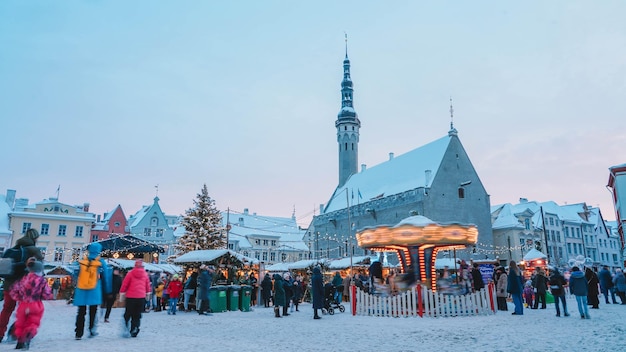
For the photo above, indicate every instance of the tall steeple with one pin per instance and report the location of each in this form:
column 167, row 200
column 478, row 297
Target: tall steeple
column 347, row 125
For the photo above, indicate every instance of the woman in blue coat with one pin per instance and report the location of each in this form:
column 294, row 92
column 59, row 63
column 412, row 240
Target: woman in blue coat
column 90, row 297
column 317, row 288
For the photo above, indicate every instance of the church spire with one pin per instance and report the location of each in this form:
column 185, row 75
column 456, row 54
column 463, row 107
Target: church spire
column 347, row 125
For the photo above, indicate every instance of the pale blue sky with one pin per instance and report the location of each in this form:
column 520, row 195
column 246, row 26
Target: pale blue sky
column 109, row 98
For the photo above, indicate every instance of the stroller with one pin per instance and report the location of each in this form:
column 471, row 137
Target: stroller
column 330, row 303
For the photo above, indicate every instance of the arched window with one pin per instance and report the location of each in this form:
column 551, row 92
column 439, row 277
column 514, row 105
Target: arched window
column 154, row 222
column 461, row 192
column 346, row 146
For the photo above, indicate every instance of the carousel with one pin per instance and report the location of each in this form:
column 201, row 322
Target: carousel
column 416, row 241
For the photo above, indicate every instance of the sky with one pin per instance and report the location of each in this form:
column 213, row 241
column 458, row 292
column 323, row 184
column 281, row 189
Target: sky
column 259, row 330
column 109, row 99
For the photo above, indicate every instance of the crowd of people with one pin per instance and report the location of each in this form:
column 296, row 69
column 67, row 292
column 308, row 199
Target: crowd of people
column 98, row 285
column 586, row 286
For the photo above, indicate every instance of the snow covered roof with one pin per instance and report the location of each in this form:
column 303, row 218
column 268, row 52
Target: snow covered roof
column 534, row 254
column 245, row 225
column 129, row 264
column 344, row 263
column 402, row 173
column 207, row 255
column 572, row 213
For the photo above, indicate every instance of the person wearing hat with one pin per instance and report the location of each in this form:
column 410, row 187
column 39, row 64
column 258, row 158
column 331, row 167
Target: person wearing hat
column 28, row 243
column 175, row 287
column 135, row 291
column 578, row 287
column 29, row 292
column 88, row 296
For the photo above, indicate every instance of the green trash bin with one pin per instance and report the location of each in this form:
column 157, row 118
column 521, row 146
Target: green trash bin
column 244, row 298
column 233, row 297
column 217, row 298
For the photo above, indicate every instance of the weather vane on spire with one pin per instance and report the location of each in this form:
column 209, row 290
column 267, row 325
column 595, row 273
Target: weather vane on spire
column 346, row 36
column 157, row 189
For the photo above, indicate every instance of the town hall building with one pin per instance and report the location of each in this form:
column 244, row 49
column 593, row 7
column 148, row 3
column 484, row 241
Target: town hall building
column 436, row 180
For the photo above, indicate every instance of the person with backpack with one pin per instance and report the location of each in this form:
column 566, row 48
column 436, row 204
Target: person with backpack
column 27, row 249
column 557, row 283
column 89, row 289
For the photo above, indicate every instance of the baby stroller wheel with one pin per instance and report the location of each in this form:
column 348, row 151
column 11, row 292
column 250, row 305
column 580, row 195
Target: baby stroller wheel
column 342, row 308
column 324, row 311
column 331, row 311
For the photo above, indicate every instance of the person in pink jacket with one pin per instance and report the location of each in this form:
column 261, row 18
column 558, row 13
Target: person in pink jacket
column 135, row 290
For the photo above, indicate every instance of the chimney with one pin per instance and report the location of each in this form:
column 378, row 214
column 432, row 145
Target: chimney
column 427, row 176
column 98, row 218
column 10, row 198
column 245, row 211
column 523, row 200
column 321, row 208
column 86, row 207
column 390, row 156
column 21, row 202
column 240, row 222
column 363, row 167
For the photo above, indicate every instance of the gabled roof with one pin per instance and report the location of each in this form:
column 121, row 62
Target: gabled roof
column 402, row 173
column 245, row 225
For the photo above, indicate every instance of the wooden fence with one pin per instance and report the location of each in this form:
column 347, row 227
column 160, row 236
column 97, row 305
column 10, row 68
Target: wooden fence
column 422, row 302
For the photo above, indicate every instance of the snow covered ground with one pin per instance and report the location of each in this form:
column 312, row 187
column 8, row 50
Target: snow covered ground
column 258, row 330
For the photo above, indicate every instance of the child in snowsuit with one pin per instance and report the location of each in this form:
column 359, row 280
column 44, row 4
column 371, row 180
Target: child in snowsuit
column 528, row 294
column 29, row 292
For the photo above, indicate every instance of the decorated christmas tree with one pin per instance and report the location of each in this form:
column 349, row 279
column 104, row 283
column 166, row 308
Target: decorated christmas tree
column 203, row 226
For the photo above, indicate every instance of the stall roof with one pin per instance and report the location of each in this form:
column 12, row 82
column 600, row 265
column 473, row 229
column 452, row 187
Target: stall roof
column 344, row 263
column 534, row 254
column 129, row 264
column 207, row 255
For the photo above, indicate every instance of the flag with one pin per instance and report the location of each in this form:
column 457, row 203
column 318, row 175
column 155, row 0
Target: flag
column 359, row 192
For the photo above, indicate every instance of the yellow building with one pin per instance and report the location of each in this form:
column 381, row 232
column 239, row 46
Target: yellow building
column 63, row 229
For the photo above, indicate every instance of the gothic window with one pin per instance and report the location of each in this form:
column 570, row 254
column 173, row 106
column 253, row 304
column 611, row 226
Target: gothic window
column 461, row 192
column 346, row 146
column 352, row 146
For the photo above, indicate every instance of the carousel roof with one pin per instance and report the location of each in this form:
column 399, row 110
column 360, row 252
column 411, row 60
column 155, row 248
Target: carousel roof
column 418, row 230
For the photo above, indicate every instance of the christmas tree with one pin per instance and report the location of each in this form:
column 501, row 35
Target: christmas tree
column 203, row 226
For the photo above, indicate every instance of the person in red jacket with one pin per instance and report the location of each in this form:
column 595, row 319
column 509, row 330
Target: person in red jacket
column 135, row 290
column 174, row 288
column 29, row 292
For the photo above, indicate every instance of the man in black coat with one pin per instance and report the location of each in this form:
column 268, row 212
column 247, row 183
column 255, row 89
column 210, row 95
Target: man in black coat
column 477, row 278
column 317, row 288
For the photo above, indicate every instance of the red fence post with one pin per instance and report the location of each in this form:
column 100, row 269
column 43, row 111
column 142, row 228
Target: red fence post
column 353, row 300
column 420, row 306
column 491, row 290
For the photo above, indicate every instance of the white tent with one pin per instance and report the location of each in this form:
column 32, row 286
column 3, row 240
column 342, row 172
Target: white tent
column 534, row 254
column 278, row 267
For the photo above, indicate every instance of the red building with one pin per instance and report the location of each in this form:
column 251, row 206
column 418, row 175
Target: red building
column 113, row 222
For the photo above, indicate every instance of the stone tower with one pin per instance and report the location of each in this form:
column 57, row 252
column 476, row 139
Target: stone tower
column 347, row 125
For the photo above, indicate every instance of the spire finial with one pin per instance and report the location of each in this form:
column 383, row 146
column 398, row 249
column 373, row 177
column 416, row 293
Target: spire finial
column 453, row 131
column 346, row 36
column 451, row 114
